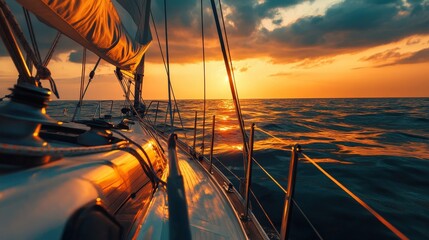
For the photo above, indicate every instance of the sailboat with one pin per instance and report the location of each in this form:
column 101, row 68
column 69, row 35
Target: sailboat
column 112, row 177
column 101, row 179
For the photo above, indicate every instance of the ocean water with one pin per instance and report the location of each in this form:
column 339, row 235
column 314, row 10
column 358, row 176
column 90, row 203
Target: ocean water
column 378, row 148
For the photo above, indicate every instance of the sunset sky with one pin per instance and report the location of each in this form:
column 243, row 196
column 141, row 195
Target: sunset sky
column 280, row 49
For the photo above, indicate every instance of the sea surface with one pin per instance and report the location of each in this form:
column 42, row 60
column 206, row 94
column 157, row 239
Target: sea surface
column 378, row 148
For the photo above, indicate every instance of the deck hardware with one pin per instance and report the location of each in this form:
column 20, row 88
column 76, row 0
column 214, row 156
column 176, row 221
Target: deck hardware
column 229, row 188
column 296, row 149
column 21, row 119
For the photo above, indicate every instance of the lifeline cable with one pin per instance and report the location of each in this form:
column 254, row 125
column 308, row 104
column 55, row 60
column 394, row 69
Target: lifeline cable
column 358, row 200
column 344, row 188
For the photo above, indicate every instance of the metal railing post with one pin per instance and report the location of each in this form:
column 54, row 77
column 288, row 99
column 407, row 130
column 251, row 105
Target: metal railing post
column 289, row 192
column 245, row 216
column 212, row 144
column 156, row 113
column 193, row 152
column 165, row 119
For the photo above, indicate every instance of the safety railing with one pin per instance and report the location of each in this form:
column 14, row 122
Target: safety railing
column 289, row 202
column 152, row 114
column 99, row 110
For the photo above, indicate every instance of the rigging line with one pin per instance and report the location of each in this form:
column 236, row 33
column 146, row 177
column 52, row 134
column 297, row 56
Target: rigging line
column 269, row 175
column 326, row 174
column 307, row 219
column 159, row 42
column 41, row 67
column 358, row 200
column 227, row 169
column 82, row 76
column 229, row 52
column 232, row 87
column 13, row 23
column 32, row 36
column 277, row 138
column 168, row 65
column 141, row 120
column 230, row 57
column 82, row 84
column 204, row 76
column 51, row 50
column 148, row 164
column 265, row 213
column 167, row 68
column 178, row 111
column 91, row 76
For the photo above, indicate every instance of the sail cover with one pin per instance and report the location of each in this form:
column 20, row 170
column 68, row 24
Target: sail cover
column 95, row 24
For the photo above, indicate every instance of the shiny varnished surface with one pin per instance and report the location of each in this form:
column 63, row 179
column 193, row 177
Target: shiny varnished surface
column 36, row 203
column 210, row 214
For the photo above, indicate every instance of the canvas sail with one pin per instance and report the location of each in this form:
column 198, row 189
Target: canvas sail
column 96, row 25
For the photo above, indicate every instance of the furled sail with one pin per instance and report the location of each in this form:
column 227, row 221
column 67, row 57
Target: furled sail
column 95, row 24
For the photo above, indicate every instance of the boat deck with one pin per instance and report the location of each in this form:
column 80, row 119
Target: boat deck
column 210, row 213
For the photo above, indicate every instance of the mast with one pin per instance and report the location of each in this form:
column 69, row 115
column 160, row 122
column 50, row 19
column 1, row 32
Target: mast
column 144, row 35
column 138, row 79
column 13, row 48
column 231, row 84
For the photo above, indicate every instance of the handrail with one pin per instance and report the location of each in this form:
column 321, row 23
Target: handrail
column 99, row 108
column 296, row 152
column 386, row 223
column 177, row 207
column 245, row 216
column 289, row 192
column 357, row 199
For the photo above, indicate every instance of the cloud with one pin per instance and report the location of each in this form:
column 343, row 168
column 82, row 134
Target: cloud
column 384, row 56
column 413, row 41
column 281, row 74
column 310, row 63
column 351, row 26
column 346, row 27
column 421, row 56
column 244, row 69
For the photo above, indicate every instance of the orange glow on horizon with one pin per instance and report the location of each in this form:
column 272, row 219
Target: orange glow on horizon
column 341, row 76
